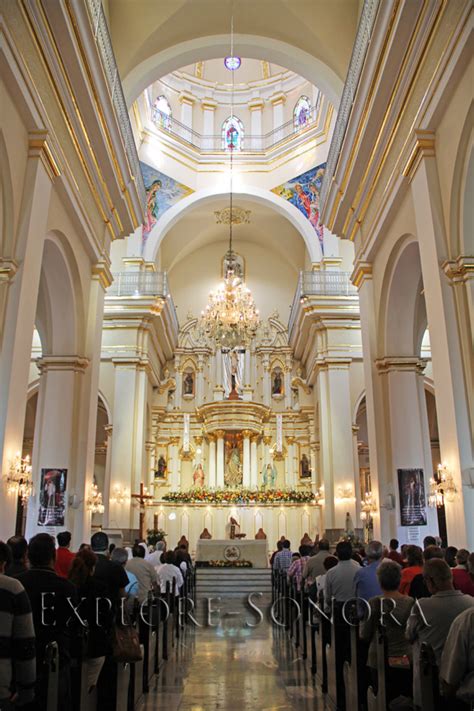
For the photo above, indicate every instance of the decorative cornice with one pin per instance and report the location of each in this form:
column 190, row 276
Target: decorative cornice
column 38, row 147
column 246, row 434
column 334, row 363
column 423, row 146
column 290, row 440
column 209, row 104
column 74, row 363
column 459, row 270
column 393, row 364
column 101, row 271
column 278, row 98
column 220, row 434
column 256, row 104
column 8, row 269
column 186, row 98
column 362, row 272
column 173, row 440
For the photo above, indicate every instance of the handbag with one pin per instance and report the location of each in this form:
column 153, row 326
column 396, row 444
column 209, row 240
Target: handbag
column 126, row 644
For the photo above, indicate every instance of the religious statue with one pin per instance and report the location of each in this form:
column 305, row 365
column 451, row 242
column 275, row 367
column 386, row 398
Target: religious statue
column 269, row 475
column 198, row 476
column 277, row 384
column 260, row 535
column 306, row 540
column 233, row 475
column 232, row 529
column 305, row 471
column 349, row 526
column 205, row 535
column 188, row 383
column 160, row 472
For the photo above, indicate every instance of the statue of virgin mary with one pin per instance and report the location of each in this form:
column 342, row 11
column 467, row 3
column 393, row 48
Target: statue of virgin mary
column 233, row 475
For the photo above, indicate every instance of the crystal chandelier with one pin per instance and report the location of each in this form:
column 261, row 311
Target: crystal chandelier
column 94, row 500
column 230, row 317
column 18, row 480
column 442, row 487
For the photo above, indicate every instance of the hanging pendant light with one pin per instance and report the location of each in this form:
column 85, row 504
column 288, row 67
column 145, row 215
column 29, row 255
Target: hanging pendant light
column 231, row 317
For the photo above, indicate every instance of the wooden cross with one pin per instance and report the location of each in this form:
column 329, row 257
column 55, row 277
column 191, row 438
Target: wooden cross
column 143, row 497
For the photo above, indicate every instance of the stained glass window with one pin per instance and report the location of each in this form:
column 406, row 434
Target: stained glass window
column 161, row 112
column 232, row 134
column 301, row 113
column 232, row 63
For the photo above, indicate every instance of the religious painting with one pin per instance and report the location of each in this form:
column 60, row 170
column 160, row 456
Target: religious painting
column 233, row 475
column 188, row 383
column 411, row 488
column 52, row 497
column 305, row 469
column 302, row 113
column 162, row 192
column 303, row 192
column 161, row 468
column 232, row 134
column 198, row 476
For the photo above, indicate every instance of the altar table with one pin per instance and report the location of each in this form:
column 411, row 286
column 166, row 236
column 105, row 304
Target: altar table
column 233, row 549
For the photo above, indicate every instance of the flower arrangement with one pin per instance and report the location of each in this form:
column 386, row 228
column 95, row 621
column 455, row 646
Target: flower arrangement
column 241, row 497
column 153, row 535
column 230, row 564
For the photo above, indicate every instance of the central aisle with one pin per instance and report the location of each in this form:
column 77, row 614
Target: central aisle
column 234, row 668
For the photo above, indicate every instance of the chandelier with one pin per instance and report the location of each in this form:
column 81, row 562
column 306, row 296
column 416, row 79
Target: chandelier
column 94, row 500
column 18, row 479
column 442, row 487
column 230, row 318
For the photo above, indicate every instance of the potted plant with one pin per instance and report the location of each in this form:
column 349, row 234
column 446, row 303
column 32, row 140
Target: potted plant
column 154, row 535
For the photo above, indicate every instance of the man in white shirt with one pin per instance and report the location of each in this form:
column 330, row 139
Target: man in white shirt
column 169, row 572
column 143, row 571
column 457, row 661
column 340, row 579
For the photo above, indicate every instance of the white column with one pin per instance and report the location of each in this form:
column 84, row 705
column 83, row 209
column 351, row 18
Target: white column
column 445, row 339
column 336, row 441
column 246, row 463
column 278, row 103
column 218, row 387
column 107, row 478
column 253, row 462
column 267, row 395
column 220, row 458
column 187, row 102
column 19, row 320
column 314, row 466
column 208, row 129
column 267, row 441
column 256, row 107
column 179, row 382
column 174, row 456
column 287, row 380
column 212, row 461
column 200, row 381
column 290, row 456
column 247, row 389
column 358, row 493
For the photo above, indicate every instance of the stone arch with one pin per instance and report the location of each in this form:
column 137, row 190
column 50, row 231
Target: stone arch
column 215, row 46
column 253, row 194
column 6, row 203
column 462, row 215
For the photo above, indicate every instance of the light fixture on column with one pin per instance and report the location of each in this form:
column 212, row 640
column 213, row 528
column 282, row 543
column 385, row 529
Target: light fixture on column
column 344, row 493
column 94, row 502
column 18, row 479
column 442, row 487
column 231, row 317
column 120, row 496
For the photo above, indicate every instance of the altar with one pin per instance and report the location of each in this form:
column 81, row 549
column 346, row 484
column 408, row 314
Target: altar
column 233, row 550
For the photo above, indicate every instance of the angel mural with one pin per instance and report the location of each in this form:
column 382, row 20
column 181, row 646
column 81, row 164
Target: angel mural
column 162, row 192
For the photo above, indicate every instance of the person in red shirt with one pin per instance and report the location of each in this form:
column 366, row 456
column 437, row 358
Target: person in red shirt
column 462, row 579
column 393, row 553
column 64, row 557
column 414, row 567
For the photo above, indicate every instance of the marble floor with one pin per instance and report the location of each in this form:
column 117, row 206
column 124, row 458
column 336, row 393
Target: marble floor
column 234, row 668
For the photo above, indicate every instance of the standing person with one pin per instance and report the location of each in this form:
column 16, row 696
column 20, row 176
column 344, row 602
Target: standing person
column 431, row 617
column 456, row 670
column 450, row 556
column 413, row 567
column 17, row 651
column 93, row 609
column 340, row 579
column 296, row 568
column 366, row 582
column 315, row 564
column 393, row 553
column 143, row 571
column 110, row 573
column 169, row 572
column 19, row 556
column 418, row 587
column 64, row 557
column 283, row 558
column 49, row 598
column 273, row 555
column 461, row 578
column 120, row 556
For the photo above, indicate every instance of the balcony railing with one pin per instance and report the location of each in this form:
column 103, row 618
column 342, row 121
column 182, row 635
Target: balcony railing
column 361, row 44
column 134, row 285
column 326, row 284
column 104, row 45
column 250, row 143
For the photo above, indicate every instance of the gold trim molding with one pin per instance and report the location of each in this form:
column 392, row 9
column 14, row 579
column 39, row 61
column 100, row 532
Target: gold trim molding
column 362, row 272
column 459, row 270
column 397, row 364
column 424, row 147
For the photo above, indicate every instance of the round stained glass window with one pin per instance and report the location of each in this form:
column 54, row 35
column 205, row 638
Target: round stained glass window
column 232, row 63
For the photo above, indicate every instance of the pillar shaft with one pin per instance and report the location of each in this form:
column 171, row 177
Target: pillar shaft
column 220, row 459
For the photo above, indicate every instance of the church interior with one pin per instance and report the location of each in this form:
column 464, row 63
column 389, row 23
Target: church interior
column 236, row 307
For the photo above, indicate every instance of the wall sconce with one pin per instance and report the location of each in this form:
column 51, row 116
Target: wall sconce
column 94, row 500
column 344, row 493
column 120, row 496
column 18, row 479
column 319, row 496
column 442, row 487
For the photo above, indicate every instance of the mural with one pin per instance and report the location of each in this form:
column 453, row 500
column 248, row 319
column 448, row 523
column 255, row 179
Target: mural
column 162, row 192
column 303, row 192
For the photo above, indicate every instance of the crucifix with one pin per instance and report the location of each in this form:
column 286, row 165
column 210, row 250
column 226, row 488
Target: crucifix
column 143, row 497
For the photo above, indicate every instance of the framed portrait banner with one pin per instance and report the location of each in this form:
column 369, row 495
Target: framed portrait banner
column 411, row 488
column 52, row 497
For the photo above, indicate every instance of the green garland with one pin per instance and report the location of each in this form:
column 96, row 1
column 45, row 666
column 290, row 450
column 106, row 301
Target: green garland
column 241, row 497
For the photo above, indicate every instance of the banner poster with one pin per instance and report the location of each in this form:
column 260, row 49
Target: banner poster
column 411, row 488
column 52, row 497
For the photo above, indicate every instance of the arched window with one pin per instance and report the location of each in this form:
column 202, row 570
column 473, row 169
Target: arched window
column 161, row 112
column 301, row 112
column 232, row 134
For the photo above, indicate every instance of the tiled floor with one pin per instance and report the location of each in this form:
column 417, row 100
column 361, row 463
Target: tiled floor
column 234, row 668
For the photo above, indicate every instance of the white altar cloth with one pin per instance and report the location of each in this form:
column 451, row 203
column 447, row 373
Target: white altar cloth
column 254, row 551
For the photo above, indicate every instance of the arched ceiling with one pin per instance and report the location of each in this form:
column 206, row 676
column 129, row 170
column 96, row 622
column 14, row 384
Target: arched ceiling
column 320, row 29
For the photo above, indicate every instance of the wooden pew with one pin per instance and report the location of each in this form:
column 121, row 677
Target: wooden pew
column 429, row 680
column 377, row 701
column 51, row 659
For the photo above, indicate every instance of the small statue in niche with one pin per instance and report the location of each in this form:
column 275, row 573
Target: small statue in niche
column 188, row 383
column 305, row 471
column 269, row 476
column 170, row 403
column 198, row 476
column 277, row 382
column 160, row 472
